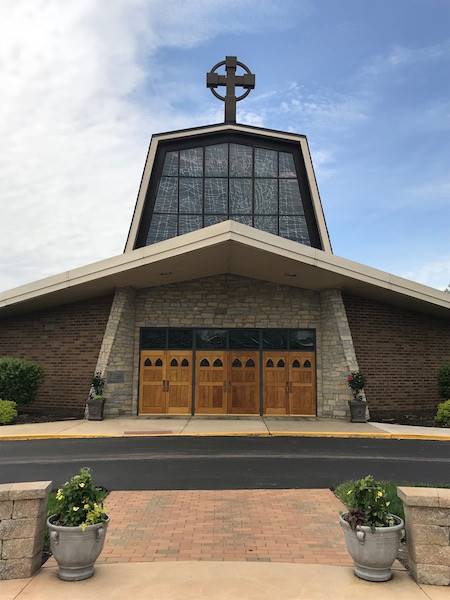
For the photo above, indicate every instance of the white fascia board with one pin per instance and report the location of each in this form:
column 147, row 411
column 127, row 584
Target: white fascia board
column 228, row 232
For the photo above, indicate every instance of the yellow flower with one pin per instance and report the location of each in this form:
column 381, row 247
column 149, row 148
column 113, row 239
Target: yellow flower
column 379, row 494
column 75, row 508
column 349, row 492
column 81, row 485
column 86, row 507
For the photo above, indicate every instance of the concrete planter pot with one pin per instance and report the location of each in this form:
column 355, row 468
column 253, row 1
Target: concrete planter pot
column 373, row 552
column 95, row 408
column 76, row 550
column 358, row 411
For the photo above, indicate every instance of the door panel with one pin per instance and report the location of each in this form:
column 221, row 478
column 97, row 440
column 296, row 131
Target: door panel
column 244, row 382
column 302, row 383
column 276, row 382
column 152, row 397
column 179, row 381
column 210, row 382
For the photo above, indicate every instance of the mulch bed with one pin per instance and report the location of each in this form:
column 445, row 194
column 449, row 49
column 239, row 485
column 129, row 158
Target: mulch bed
column 25, row 418
column 423, row 419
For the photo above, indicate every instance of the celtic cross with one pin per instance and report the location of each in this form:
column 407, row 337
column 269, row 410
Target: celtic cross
column 230, row 81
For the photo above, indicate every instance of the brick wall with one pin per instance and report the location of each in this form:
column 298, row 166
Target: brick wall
column 399, row 351
column 65, row 341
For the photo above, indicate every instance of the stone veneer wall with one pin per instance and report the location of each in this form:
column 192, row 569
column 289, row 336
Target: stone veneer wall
column 116, row 354
column 23, row 513
column 65, row 340
column 338, row 354
column 400, row 352
column 227, row 301
column 427, row 518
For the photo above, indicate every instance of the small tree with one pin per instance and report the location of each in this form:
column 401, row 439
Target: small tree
column 97, row 384
column 356, row 382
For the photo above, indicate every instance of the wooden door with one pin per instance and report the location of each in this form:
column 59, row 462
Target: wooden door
column 210, row 382
column 243, row 373
column 302, row 383
column 276, row 383
column 152, row 396
column 178, row 381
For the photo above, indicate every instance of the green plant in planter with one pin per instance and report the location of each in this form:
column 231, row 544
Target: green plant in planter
column 97, row 384
column 8, row 412
column 79, row 502
column 356, row 382
column 443, row 413
column 368, row 505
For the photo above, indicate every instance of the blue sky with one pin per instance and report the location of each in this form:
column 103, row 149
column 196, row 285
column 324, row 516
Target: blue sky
column 367, row 81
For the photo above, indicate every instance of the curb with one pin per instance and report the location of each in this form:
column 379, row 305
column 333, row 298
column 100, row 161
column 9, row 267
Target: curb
column 306, row 434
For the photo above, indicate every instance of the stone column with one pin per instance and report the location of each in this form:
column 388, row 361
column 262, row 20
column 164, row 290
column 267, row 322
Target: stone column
column 427, row 516
column 23, row 512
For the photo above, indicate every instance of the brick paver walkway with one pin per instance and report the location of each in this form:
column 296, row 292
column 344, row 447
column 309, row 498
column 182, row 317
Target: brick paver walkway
column 260, row 525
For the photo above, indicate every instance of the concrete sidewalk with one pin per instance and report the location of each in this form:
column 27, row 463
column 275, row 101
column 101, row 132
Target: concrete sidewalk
column 199, row 426
column 218, row 581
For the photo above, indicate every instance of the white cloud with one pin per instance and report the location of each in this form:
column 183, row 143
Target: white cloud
column 403, row 56
column 435, row 273
column 82, row 90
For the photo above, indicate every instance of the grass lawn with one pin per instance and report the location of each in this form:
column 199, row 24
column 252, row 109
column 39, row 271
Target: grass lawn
column 396, row 506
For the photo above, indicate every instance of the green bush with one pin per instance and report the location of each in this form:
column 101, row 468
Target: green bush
column 79, row 502
column 444, row 381
column 443, row 413
column 390, row 489
column 8, row 412
column 19, row 379
column 368, row 504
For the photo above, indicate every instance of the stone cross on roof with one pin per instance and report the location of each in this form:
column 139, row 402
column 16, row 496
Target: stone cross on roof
column 230, row 81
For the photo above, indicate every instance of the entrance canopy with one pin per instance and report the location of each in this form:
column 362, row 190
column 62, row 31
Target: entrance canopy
column 226, row 247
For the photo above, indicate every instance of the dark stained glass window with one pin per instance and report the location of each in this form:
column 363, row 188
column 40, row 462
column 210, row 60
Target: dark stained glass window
column 211, row 338
column 153, row 339
column 241, row 195
column 191, row 162
column 266, row 197
column 216, row 160
column 189, row 223
column 266, row 163
column 171, row 164
column 216, row 195
column 179, row 338
column 241, row 160
column 244, row 338
column 191, row 193
column 275, row 339
column 301, row 339
column 249, row 184
column 167, row 197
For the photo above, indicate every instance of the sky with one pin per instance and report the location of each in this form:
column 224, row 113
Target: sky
column 85, row 83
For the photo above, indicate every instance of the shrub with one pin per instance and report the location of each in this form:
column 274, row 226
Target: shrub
column 79, row 502
column 97, row 383
column 8, row 412
column 444, row 381
column 443, row 413
column 19, row 379
column 356, row 382
column 368, row 504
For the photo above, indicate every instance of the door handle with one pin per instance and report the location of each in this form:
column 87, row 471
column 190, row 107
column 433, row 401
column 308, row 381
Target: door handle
column 287, row 387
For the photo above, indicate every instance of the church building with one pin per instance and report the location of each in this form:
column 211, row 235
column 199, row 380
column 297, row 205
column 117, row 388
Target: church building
column 228, row 299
